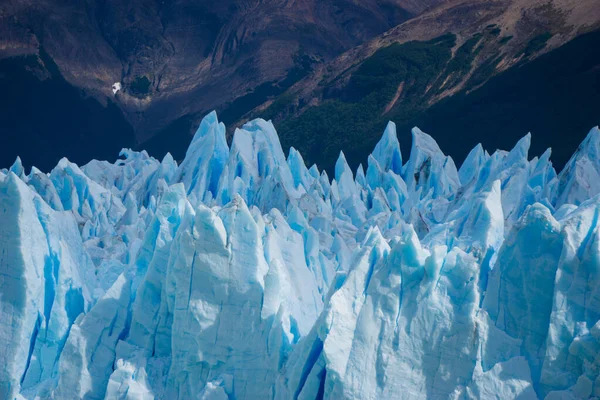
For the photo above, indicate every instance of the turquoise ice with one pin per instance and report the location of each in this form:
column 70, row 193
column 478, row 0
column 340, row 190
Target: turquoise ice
column 241, row 273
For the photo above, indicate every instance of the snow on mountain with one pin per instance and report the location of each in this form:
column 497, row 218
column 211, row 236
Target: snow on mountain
column 243, row 274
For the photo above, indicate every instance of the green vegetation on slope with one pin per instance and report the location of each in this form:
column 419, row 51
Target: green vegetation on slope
column 555, row 96
column 459, row 65
column 303, row 65
column 536, row 44
column 341, row 123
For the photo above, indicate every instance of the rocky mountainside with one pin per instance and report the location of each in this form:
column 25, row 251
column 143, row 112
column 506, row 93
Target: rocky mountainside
column 178, row 57
column 85, row 79
column 501, row 30
column 446, row 58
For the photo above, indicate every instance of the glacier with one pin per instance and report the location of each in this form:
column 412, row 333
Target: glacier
column 240, row 273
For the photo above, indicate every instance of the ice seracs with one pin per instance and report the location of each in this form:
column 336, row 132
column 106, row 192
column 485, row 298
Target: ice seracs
column 242, row 274
column 581, row 176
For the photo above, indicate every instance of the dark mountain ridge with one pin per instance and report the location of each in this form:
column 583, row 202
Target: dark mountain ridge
column 330, row 74
column 174, row 58
column 419, row 71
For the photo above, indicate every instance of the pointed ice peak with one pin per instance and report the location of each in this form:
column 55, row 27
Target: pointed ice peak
column 520, row 152
column 479, row 149
column 387, row 151
column 409, row 249
column 374, row 238
column 344, row 178
column 360, row 176
column 43, row 185
column 17, row 168
column 428, row 167
column 424, row 149
column 478, row 222
column 257, row 141
column 424, row 142
column 130, row 202
column 297, row 166
column 546, row 155
column 543, row 159
column 204, row 160
column 360, row 170
column 257, row 169
column 542, row 171
column 373, row 172
column 590, row 147
column 209, row 125
column 168, row 159
column 64, row 163
column 131, row 213
column 533, row 162
column 296, row 219
column 498, row 157
column 451, row 171
column 472, row 164
column 341, row 166
column 34, row 171
column 580, row 179
column 324, row 185
column 294, row 155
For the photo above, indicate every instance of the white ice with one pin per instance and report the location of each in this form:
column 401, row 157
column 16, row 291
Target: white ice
column 243, row 274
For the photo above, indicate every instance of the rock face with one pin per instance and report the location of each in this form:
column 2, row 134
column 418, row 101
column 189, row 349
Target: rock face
column 503, row 28
column 465, row 69
column 166, row 53
column 241, row 273
column 159, row 66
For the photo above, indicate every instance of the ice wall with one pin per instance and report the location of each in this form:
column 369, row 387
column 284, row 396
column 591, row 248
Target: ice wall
column 243, row 274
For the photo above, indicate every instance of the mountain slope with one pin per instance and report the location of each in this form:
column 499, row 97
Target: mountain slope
column 404, row 73
column 176, row 60
column 177, row 57
column 44, row 118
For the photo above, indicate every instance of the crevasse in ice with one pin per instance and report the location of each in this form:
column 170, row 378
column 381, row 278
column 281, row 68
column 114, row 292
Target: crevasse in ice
column 240, row 273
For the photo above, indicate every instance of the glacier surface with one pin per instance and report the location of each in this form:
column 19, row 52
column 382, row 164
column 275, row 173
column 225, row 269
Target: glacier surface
column 240, row 273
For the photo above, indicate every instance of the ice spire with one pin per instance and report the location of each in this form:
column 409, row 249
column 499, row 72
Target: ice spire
column 205, row 158
column 472, row 165
column 387, row 151
column 300, row 173
column 243, row 274
column 17, row 168
column 580, row 179
column 344, row 178
column 428, row 168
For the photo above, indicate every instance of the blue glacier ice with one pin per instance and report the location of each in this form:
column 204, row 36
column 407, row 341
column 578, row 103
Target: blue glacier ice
column 241, row 273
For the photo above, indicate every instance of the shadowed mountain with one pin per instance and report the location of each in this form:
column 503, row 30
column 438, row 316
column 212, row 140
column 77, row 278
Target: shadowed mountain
column 555, row 97
column 329, row 73
column 179, row 57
